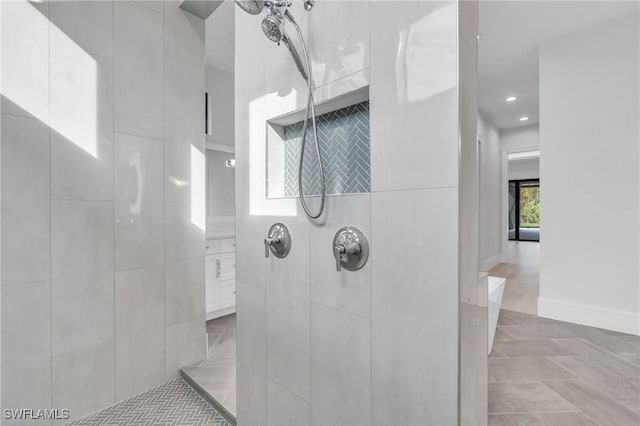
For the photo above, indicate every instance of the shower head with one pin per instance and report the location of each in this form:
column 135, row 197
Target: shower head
column 252, row 7
column 272, row 26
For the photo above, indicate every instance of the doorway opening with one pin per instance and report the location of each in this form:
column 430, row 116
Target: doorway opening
column 524, row 210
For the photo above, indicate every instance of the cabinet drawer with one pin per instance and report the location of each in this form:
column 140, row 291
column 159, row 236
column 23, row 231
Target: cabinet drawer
column 227, row 294
column 212, row 247
column 227, row 245
column 227, row 266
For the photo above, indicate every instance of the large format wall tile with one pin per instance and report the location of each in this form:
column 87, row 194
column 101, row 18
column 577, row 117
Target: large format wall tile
column 139, row 330
column 338, row 39
column 340, row 367
column 250, row 66
column 251, row 224
column 138, row 72
column 85, row 24
column 183, row 45
column 415, row 307
column 26, row 346
column 25, row 59
column 185, row 344
column 284, row 407
column 83, row 380
column 285, row 89
column 288, row 311
column 184, row 265
column 184, row 142
column 414, row 73
column 347, row 290
column 251, row 354
column 139, row 202
column 82, row 274
column 82, row 129
column 25, row 183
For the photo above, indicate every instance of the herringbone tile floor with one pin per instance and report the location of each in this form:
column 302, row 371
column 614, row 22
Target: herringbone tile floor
column 174, row 403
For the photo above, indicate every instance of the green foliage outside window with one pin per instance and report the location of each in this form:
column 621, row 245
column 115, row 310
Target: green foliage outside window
column 530, row 207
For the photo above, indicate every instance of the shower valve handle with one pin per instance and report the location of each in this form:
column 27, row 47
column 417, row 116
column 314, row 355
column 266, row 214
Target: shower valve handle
column 268, row 242
column 350, row 249
column 342, row 252
column 338, row 251
column 278, row 241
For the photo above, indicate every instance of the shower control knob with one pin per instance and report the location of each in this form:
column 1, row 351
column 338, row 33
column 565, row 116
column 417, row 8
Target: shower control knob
column 350, row 249
column 278, row 241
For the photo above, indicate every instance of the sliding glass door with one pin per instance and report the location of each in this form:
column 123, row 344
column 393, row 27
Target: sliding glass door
column 524, row 210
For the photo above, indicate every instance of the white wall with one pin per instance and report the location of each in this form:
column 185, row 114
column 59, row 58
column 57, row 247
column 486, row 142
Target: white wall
column 103, row 200
column 320, row 347
column 524, row 169
column 220, row 88
column 221, row 189
column 520, row 138
column 490, row 160
column 590, row 170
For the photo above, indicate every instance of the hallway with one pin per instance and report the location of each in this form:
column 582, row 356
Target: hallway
column 522, row 273
column 546, row 372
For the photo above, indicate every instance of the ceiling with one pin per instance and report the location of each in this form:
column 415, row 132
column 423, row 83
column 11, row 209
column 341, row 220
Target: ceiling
column 510, row 33
column 219, row 37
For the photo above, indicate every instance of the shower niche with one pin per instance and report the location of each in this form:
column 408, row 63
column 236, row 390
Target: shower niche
column 343, row 135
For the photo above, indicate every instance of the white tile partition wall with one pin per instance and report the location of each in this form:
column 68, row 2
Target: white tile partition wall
column 381, row 345
column 102, row 226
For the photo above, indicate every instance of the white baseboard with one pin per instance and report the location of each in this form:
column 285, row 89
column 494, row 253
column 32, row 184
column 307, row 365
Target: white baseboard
column 491, row 262
column 594, row 316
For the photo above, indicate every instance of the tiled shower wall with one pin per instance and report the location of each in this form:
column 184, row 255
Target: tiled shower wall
column 102, row 213
column 380, row 345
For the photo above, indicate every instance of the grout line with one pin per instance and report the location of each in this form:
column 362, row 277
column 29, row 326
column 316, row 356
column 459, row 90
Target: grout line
column 113, row 185
column 84, row 348
column 25, row 283
column 76, row 200
column 136, row 268
column 51, row 396
column 30, row 117
column 341, row 310
column 160, row 140
column 164, row 201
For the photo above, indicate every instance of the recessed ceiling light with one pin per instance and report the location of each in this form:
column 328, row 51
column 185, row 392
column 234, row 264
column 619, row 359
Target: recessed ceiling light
column 524, row 118
column 511, row 99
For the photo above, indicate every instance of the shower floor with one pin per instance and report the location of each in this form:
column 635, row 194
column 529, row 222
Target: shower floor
column 173, row 403
column 216, row 375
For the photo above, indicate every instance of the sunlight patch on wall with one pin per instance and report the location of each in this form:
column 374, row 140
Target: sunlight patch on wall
column 74, row 106
column 259, row 205
column 69, row 105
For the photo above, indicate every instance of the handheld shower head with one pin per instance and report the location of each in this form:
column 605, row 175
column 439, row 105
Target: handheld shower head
column 272, row 26
column 252, row 7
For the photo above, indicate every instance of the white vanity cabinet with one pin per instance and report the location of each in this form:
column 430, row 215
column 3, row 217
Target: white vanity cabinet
column 220, row 275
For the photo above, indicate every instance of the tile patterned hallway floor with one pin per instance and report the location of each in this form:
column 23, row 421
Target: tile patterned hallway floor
column 523, row 277
column 172, row 404
column 545, row 372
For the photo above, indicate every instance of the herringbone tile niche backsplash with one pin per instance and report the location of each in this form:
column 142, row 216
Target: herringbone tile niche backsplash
column 344, row 144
